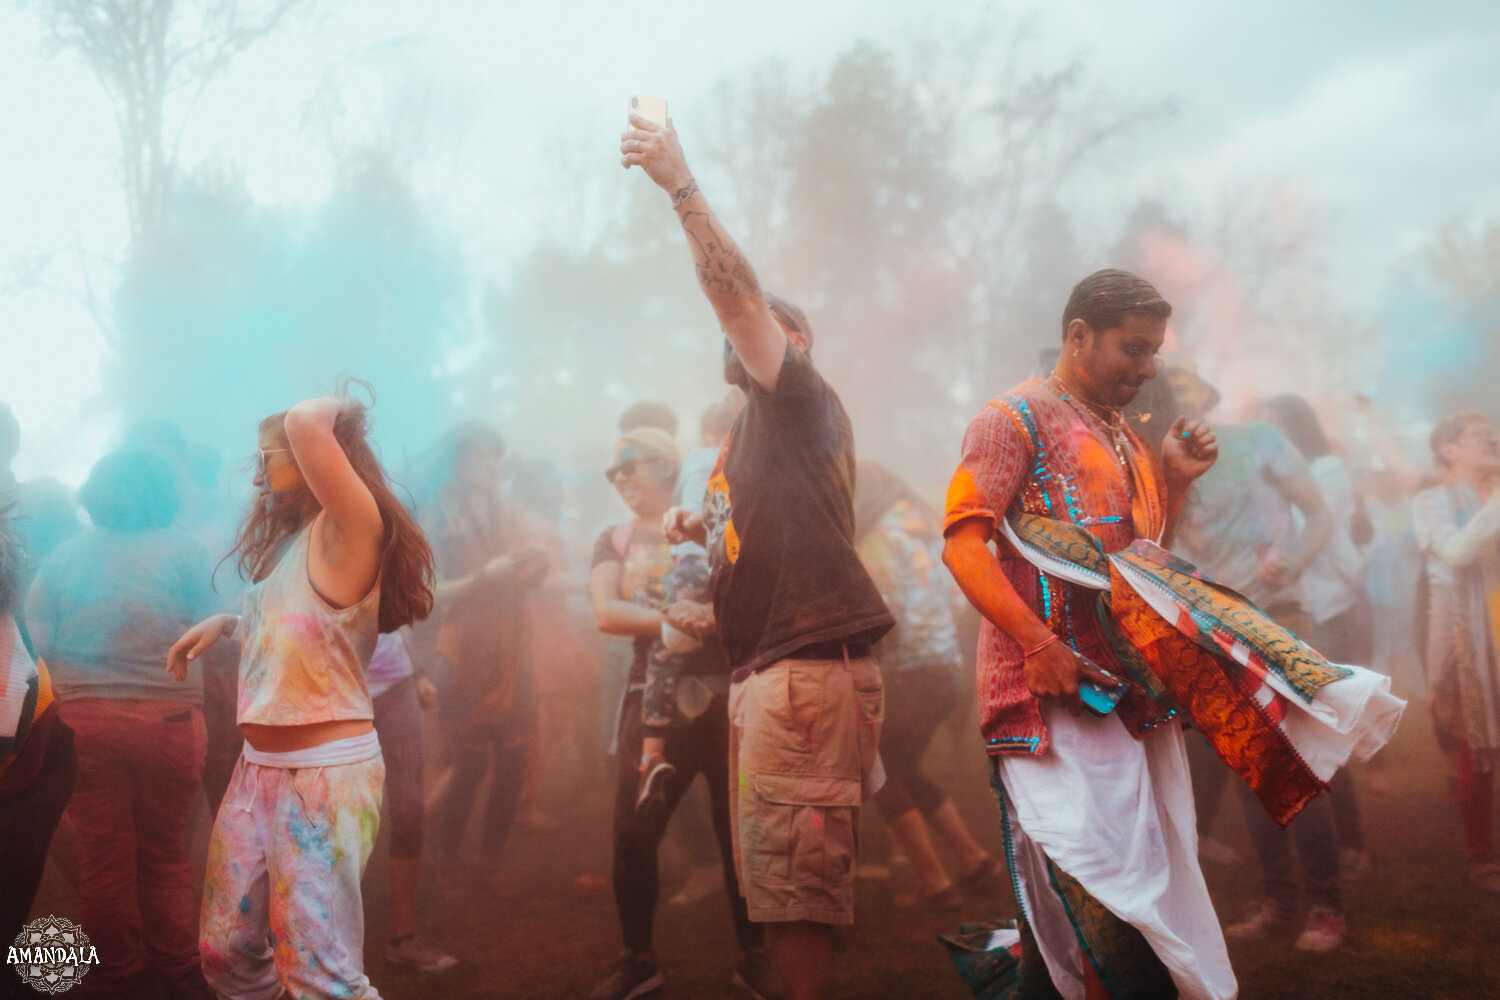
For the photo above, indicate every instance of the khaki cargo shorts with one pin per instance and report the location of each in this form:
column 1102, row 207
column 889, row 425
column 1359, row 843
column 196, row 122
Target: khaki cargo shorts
column 803, row 741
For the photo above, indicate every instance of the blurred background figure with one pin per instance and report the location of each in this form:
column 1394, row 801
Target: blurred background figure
column 488, row 568
column 206, row 514
column 628, row 587
column 567, row 672
column 45, row 514
column 1458, row 528
column 1387, row 482
column 1255, row 523
column 1333, row 591
column 693, row 824
column 399, row 694
column 37, row 758
column 691, row 831
column 899, row 540
column 104, row 610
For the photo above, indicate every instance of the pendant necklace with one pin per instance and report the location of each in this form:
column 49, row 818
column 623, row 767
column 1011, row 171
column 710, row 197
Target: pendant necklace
column 1112, row 420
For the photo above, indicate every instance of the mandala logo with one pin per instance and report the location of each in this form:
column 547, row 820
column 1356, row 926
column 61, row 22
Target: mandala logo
column 52, row 954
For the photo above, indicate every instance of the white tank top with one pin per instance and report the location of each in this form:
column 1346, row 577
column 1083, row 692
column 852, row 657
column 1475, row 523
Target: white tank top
column 304, row 660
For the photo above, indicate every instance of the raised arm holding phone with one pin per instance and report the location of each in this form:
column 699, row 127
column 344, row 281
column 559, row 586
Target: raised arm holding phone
column 727, row 279
column 793, row 605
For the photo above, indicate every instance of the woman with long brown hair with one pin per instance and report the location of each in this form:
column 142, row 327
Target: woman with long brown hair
column 334, row 560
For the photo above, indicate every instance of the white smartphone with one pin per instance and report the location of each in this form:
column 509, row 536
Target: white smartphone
column 652, row 108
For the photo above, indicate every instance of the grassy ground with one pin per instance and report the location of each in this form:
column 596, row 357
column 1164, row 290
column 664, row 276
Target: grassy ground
column 1415, row 929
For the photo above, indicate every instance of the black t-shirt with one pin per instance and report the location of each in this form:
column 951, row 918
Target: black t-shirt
column 780, row 517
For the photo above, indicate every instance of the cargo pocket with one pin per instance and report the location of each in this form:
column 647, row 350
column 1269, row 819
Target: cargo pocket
column 803, row 829
column 869, row 697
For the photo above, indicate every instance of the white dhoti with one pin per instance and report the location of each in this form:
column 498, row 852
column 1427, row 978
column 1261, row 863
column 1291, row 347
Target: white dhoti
column 1116, row 814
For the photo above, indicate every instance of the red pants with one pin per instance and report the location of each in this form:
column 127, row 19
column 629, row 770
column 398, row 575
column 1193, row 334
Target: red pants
column 1476, row 805
column 139, row 769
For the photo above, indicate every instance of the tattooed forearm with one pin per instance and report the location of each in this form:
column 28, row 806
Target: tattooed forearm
column 722, row 269
column 682, row 194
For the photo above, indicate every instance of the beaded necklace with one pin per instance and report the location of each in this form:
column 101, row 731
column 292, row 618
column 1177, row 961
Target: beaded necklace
column 1110, row 425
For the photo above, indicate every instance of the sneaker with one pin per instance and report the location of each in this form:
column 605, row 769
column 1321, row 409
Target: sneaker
column 631, row 977
column 702, row 882
column 1485, row 876
column 1265, row 917
column 757, row 978
column 653, row 789
column 412, row 950
column 1324, row 930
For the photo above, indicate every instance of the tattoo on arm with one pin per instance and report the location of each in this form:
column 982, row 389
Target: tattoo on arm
column 722, row 269
column 682, row 194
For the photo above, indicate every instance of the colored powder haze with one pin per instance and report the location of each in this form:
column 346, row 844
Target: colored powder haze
column 432, row 201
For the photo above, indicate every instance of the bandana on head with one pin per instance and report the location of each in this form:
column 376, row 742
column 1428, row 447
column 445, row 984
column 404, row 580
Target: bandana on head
column 646, row 443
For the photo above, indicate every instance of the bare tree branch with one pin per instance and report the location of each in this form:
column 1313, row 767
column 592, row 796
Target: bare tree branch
column 143, row 52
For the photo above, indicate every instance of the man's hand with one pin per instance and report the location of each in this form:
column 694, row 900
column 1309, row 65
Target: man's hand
column 655, row 149
column 1278, row 571
column 525, row 565
column 503, row 567
column 1189, row 450
column 692, row 617
column 682, row 525
column 535, row 562
column 1055, row 672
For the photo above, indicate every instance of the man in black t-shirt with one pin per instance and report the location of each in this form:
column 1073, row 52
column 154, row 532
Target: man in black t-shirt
column 793, row 605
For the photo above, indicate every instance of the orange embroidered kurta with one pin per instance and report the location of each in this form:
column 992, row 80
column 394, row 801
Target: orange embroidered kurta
column 1038, row 451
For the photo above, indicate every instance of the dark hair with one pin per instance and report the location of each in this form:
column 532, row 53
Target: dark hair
column 1104, row 299
column 439, row 494
column 790, row 317
column 1448, row 430
column 406, row 565
column 12, row 557
column 649, row 414
column 460, row 443
column 131, row 490
column 1301, row 424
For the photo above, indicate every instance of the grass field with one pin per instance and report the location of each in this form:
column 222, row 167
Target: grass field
column 1415, row 929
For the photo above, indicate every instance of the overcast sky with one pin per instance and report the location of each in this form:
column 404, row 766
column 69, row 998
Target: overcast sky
column 1386, row 115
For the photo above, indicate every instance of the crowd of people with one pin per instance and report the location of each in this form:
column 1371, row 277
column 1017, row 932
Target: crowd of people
column 1163, row 606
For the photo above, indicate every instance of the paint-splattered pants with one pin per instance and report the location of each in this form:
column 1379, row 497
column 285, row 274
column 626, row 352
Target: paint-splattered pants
column 281, row 903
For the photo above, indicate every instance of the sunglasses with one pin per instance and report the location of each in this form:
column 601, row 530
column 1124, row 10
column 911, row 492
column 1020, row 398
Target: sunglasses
column 626, row 469
column 269, row 451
